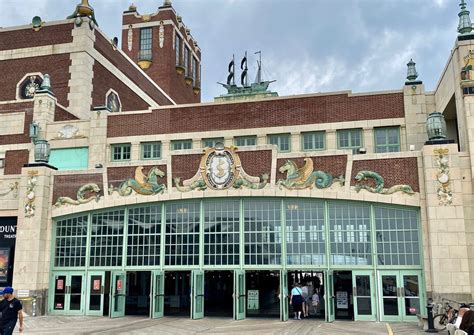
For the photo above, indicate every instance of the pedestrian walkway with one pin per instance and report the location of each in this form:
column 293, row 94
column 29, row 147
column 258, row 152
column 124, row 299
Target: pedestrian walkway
column 182, row 326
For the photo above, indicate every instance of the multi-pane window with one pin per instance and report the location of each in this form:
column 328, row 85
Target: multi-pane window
column 195, row 71
column 107, row 238
column 182, row 233
column 2, row 163
column 313, row 140
column 186, row 61
column 181, row 145
column 242, row 141
column 146, row 38
column 177, row 47
column 305, row 232
column 144, row 233
column 262, row 231
column 71, row 241
column 221, row 232
column 211, row 142
column 397, row 235
column 349, row 227
column 350, row 139
column 121, row 152
column 387, row 139
column 151, row 150
column 282, row 141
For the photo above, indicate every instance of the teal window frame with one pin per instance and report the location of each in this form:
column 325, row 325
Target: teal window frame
column 155, row 150
column 355, row 148
column 277, row 139
column 386, row 146
column 181, row 143
column 211, row 142
column 242, row 141
column 125, row 153
column 312, row 138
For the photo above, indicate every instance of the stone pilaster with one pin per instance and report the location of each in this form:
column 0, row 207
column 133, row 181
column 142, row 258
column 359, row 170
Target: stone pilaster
column 415, row 102
column 98, row 138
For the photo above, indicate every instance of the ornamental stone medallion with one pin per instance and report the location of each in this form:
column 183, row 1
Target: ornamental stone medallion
column 445, row 195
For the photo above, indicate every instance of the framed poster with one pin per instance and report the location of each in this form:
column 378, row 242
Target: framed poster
column 4, row 261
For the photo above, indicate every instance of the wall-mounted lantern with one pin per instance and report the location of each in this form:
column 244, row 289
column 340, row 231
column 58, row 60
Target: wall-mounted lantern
column 436, row 126
column 42, row 151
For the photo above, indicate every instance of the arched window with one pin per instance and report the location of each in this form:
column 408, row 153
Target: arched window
column 112, row 101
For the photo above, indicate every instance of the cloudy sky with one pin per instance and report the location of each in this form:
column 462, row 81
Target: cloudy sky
column 308, row 45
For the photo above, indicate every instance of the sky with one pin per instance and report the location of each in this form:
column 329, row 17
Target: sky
column 308, row 46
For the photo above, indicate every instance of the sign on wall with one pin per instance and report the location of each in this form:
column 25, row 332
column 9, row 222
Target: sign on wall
column 4, row 262
column 342, row 301
column 7, row 250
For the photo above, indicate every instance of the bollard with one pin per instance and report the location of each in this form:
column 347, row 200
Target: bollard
column 33, row 306
column 431, row 328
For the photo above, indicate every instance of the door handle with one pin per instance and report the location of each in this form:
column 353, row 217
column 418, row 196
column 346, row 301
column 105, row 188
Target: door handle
column 199, row 295
column 119, row 295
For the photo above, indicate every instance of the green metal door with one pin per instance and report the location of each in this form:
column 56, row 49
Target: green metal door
column 197, row 298
column 67, row 294
column 283, row 295
column 239, row 295
column 364, row 295
column 95, row 293
column 157, row 294
column 412, row 300
column 118, row 287
column 329, row 296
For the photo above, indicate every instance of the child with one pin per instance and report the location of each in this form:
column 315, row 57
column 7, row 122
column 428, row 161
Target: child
column 315, row 302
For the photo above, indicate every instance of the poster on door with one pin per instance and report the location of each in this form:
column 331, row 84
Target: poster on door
column 342, row 301
column 96, row 285
column 119, row 284
column 252, row 300
column 60, row 284
column 4, row 261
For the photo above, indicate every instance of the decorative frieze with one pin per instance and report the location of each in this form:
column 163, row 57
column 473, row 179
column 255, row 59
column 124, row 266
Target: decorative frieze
column 445, row 195
column 85, row 194
column 161, row 34
column 31, row 182
column 363, row 176
column 12, row 188
column 141, row 183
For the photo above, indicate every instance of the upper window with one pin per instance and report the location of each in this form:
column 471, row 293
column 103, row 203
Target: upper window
column 151, row 150
column 186, row 61
column 121, row 152
column 2, row 163
column 195, row 70
column 211, row 142
column 178, row 49
column 146, row 37
column 113, row 102
column 182, row 145
column 313, row 140
column 282, row 141
column 242, row 141
column 350, row 139
column 387, row 139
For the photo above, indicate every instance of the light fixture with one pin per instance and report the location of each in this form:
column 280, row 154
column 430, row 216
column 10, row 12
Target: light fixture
column 99, row 166
column 362, row 150
column 34, row 131
column 42, row 151
column 182, row 210
column 293, row 207
column 436, row 126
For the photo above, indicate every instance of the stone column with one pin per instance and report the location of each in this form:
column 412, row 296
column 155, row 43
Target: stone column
column 295, row 144
column 416, row 112
column 368, row 142
column 331, row 139
column 98, row 138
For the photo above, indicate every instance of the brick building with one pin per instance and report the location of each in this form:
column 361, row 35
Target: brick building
column 154, row 203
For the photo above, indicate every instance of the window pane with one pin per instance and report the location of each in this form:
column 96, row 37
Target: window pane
column 146, row 43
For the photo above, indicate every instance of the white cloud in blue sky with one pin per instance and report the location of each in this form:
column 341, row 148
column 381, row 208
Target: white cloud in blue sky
column 308, row 45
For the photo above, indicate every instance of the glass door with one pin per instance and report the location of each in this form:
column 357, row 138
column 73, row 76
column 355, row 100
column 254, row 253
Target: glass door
column 239, row 295
column 364, row 295
column 329, row 296
column 68, row 293
column 283, row 295
column 410, row 295
column 157, row 294
column 197, row 298
column 390, row 296
column 118, row 294
column 95, row 293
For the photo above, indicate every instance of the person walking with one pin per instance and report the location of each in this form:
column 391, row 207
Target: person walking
column 306, row 298
column 315, row 302
column 296, row 300
column 467, row 323
column 10, row 312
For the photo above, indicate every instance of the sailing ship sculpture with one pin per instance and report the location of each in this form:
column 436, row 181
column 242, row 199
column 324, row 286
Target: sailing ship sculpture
column 257, row 89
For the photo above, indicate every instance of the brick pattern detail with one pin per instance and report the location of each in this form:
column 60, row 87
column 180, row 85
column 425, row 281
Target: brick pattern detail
column 185, row 166
column 104, row 80
column 395, row 171
column 57, row 66
column 270, row 113
column 335, row 165
column 60, row 114
column 28, row 38
column 14, row 161
column 26, row 107
column 123, row 64
column 68, row 185
column 256, row 163
column 117, row 175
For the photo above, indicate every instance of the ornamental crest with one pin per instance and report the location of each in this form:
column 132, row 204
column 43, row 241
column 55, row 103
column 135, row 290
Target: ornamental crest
column 220, row 169
column 444, row 192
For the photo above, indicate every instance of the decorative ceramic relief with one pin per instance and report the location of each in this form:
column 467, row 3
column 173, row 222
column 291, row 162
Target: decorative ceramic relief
column 141, row 184
column 445, row 195
column 68, row 132
column 12, row 188
column 130, row 38
column 305, row 177
column 30, row 206
column 162, row 34
column 379, row 184
column 85, row 194
column 467, row 73
column 221, row 169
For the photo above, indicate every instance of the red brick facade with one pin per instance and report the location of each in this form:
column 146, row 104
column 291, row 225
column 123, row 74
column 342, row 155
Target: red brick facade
column 60, row 114
column 270, row 113
column 395, row 171
column 256, row 163
column 28, row 38
column 117, row 175
column 14, row 161
column 185, row 166
column 68, row 185
column 334, row 165
column 26, row 107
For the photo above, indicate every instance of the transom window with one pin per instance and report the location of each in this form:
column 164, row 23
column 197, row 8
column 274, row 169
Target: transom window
column 350, row 139
column 146, row 38
column 151, row 150
column 387, row 139
column 211, row 142
column 313, row 140
column 182, row 145
column 242, row 141
column 282, row 141
column 121, row 152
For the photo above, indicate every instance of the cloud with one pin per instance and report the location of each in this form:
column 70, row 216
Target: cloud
column 441, row 3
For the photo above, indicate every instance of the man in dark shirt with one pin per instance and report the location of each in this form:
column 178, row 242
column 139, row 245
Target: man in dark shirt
column 10, row 310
